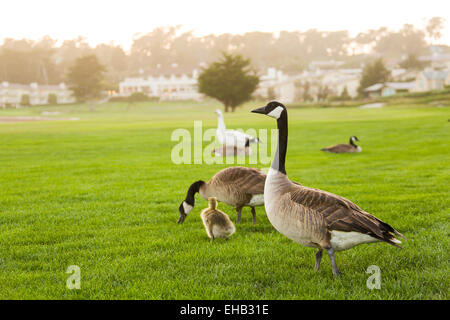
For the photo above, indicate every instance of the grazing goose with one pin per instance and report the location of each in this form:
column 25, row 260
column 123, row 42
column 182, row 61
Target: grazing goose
column 231, row 137
column 216, row 222
column 235, row 186
column 313, row 217
column 344, row 148
column 232, row 151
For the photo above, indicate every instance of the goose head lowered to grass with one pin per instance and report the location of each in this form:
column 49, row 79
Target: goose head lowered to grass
column 236, row 186
column 312, row 217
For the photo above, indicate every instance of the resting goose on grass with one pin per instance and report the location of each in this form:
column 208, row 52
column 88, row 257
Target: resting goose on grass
column 312, row 217
column 236, row 186
column 229, row 137
column 344, row 148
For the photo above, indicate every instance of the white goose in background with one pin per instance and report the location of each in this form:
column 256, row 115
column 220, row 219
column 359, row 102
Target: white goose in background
column 229, row 137
column 312, row 217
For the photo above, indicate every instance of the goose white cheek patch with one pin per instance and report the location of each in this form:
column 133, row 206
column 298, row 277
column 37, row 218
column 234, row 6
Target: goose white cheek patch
column 275, row 113
column 187, row 207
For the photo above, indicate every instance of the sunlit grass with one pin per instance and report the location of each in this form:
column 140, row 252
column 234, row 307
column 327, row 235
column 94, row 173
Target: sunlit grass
column 102, row 193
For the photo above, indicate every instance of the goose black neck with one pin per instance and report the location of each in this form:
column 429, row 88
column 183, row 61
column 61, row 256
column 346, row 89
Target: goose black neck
column 193, row 189
column 280, row 155
column 352, row 143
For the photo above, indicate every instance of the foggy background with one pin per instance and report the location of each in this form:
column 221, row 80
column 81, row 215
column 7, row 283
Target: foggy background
column 134, row 38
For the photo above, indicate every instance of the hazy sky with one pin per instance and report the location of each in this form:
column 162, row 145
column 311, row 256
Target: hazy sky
column 118, row 20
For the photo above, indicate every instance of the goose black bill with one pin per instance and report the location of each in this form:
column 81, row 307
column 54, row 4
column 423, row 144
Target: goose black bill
column 261, row 110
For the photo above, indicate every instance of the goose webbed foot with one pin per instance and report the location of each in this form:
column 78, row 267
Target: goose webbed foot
column 336, row 271
column 318, row 259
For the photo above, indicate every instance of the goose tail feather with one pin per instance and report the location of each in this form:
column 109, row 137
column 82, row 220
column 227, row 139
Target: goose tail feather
column 395, row 242
column 398, row 234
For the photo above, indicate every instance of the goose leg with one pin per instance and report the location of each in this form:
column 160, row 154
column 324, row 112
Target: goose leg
column 336, row 271
column 254, row 214
column 318, row 259
column 210, row 233
column 239, row 213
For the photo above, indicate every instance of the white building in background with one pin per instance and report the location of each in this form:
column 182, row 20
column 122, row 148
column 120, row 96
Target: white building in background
column 275, row 83
column 165, row 87
column 390, row 88
column 432, row 80
column 437, row 58
column 426, row 80
column 11, row 93
column 404, row 75
column 290, row 88
column 325, row 64
column 339, row 79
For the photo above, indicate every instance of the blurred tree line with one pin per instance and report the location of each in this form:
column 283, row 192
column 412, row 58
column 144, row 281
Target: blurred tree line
column 46, row 61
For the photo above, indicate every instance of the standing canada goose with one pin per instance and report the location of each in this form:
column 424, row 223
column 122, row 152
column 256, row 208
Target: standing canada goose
column 232, row 151
column 312, row 217
column 344, row 148
column 231, row 137
column 216, row 222
column 235, row 186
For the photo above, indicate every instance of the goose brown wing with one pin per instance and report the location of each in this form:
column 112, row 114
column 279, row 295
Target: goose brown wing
column 339, row 148
column 249, row 179
column 341, row 214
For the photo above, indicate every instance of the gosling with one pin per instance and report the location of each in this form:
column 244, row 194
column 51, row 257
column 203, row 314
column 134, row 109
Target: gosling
column 217, row 223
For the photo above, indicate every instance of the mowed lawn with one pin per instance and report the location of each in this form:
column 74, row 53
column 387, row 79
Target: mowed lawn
column 102, row 193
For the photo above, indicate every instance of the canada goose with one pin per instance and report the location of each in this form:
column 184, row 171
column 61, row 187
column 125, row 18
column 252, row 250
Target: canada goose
column 231, row 137
column 235, row 186
column 313, row 217
column 231, row 151
column 216, row 222
column 344, row 148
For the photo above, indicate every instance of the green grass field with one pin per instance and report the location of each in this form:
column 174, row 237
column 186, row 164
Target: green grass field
column 103, row 194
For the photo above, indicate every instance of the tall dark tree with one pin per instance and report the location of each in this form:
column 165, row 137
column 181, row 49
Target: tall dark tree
column 337, row 42
column 115, row 58
column 288, row 52
column 412, row 63
column 69, row 51
column 407, row 40
column 373, row 73
column 254, row 46
column 229, row 80
column 413, row 40
column 345, row 96
column 153, row 49
column 86, row 78
column 25, row 61
column 434, row 28
column 306, row 87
